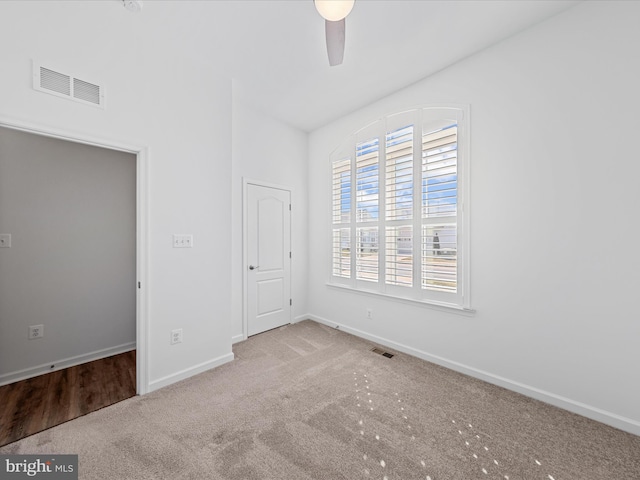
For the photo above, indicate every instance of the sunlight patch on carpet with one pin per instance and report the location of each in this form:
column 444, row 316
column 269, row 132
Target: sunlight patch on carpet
column 477, row 443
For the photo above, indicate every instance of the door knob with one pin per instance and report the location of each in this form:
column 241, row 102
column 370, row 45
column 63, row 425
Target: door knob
column 251, row 267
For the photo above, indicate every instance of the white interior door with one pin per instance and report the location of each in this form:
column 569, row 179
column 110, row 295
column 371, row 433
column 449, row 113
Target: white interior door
column 268, row 258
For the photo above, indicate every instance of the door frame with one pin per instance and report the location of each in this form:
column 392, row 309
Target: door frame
column 245, row 246
column 142, row 228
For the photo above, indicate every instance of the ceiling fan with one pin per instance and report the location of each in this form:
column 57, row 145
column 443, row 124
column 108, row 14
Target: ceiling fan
column 134, row 6
column 334, row 12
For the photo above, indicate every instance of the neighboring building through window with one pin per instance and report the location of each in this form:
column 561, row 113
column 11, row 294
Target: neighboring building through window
column 404, row 178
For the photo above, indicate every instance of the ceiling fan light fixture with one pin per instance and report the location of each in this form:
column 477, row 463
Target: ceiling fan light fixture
column 133, row 5
column 334, row 10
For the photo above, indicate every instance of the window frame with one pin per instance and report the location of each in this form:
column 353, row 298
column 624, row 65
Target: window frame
column 418, row 117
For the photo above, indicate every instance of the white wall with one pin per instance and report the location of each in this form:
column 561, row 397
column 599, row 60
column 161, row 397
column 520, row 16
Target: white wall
column 71, row 212
column 163, row 93
column 269, row 151
column 554, row 116
column 553, row 111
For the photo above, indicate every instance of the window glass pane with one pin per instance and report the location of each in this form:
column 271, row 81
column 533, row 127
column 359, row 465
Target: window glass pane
column 342, row 191
column 367, row 180
column 342, row 252
column 440, row 257
column 367, row 254
column 399, row 174
column 440, row 172
column 399, row 255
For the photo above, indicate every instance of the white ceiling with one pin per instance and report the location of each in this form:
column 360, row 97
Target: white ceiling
column 275, row 49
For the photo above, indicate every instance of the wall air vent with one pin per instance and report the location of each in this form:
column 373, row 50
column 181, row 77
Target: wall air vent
column 53, row 81
column 86, row 91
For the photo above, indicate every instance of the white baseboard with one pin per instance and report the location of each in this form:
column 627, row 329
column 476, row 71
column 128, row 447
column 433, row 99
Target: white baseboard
column 64, row 363
column 189, row 372
column 300, row 318
column 237, row 338
column 603, row 416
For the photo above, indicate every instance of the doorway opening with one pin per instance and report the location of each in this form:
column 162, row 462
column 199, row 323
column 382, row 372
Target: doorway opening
column 75, row 211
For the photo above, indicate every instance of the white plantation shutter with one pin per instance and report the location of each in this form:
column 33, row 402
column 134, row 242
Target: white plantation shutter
column 440, row 204
column 399, row 255
column 341, row 249
column 341, row 218
column 367, row 178
column 367, row 181
column 399, row 202
column 367, row 254
column 399, row 174
column 341, row 191
column 440, row 172
column 439, row 259
column 409, row 239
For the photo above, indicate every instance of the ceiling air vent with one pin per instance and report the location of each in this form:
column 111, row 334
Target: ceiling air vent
column 55, row 82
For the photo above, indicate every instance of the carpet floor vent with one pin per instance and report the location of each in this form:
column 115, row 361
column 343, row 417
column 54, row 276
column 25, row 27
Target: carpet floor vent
column 382, row 352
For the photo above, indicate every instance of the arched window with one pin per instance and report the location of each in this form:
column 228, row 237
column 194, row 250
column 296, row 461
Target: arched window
column 399, row 219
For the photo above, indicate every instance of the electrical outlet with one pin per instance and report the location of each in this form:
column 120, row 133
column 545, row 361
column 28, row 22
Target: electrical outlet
column 36, row 331
column 176, row 336
column 369, row 314
column 182, row 241
column 5, row 240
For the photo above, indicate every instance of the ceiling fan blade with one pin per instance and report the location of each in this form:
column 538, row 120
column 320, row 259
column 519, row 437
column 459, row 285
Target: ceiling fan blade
column 335, row 32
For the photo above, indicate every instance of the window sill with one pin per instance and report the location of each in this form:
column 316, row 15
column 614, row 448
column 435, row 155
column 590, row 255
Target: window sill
column 445, row 307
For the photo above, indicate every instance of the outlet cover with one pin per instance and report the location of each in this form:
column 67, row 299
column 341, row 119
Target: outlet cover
column 5, row 240
column 36, row 331
column 176, row 336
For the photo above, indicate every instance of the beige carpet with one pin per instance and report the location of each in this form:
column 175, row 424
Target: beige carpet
column 309, row 402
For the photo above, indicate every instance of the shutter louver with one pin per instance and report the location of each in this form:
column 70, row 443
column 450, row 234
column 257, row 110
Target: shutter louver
column 439, row 201
column 367, row 180
column 367, row 254
column 341, row 186
column 439, row 257
column 342, row 252
column 399, row 174
column 440, row 172
column 367, row 197
column 399, row 255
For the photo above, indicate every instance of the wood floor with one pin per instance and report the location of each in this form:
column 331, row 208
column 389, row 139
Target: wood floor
column 32, row 405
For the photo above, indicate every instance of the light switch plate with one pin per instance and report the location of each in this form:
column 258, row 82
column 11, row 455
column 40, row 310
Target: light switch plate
column 182, row 240
column 5, row 240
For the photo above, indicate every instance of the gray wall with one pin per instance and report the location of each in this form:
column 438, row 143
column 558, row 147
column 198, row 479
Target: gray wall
column 71, row 211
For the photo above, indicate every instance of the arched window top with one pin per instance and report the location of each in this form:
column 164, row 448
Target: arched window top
column 398, row 227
